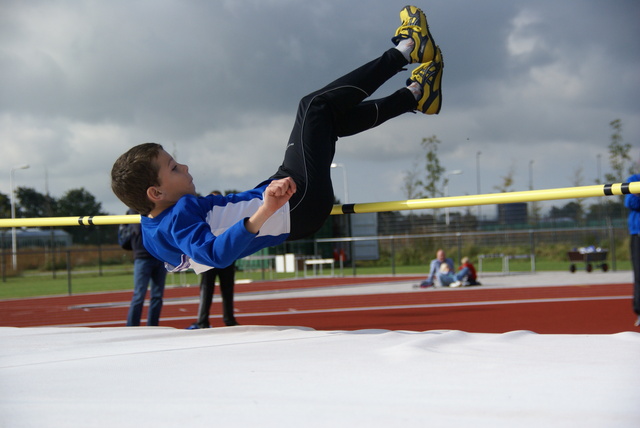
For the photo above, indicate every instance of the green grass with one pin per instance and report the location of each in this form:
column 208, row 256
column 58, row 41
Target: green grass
column 30, row 286
column 34, row 284
column 121, row 279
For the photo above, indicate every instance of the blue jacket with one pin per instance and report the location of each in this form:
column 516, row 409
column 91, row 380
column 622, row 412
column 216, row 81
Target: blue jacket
column 632, row 202
column 204, row 232
column 434, row 269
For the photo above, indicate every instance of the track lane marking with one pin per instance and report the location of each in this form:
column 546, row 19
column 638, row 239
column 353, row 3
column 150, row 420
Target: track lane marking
column 293, row 311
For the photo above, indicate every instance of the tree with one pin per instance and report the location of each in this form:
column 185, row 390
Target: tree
column 507, row 180
column 618, row 159
column 79, row 202
column 34, row 204
column 412, row 182
column 5, row 206
column 434, row 182
column 618, row 155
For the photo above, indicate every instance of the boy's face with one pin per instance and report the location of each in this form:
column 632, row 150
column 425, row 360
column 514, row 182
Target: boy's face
column 175, row 180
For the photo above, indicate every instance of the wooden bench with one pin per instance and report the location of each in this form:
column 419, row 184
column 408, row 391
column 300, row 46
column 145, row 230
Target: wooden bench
column 318, row 262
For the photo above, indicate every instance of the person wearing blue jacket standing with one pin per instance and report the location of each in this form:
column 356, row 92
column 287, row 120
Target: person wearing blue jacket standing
column 147, row 270
column 188, row 231
column 632, row 202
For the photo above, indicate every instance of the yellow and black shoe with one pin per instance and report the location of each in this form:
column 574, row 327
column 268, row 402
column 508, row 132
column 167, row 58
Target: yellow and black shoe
column 429, row 77
column 414, row 26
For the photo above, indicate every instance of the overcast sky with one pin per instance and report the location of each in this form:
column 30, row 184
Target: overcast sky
column 218, row 82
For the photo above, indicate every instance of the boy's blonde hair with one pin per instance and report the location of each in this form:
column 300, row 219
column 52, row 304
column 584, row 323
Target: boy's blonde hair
column 464, row 260
column 133, row 173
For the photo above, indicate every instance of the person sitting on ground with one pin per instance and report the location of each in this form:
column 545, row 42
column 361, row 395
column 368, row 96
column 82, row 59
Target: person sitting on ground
column 434, row 268
column 449, row 279
column 472, row 276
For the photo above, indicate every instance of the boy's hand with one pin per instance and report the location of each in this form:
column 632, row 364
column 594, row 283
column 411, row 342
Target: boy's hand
column 277, row 193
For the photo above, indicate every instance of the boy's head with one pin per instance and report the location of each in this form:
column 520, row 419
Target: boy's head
column 133, row 173
column 147, row 178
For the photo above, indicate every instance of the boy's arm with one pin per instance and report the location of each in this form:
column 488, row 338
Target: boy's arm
column 277, row 193
column 188, row 231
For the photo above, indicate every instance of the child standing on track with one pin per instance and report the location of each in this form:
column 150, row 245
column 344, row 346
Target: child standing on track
column 187, row 231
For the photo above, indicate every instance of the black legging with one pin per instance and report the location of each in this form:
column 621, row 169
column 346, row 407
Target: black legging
column 207, row 283
column 337, row 110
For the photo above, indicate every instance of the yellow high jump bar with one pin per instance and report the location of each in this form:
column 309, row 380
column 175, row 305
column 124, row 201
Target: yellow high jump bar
column 491, row 198
column 372, row 207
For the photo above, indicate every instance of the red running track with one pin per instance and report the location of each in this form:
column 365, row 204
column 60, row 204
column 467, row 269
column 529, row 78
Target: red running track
column 585, row 309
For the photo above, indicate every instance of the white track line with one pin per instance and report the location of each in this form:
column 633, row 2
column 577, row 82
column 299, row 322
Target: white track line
column 293, row 311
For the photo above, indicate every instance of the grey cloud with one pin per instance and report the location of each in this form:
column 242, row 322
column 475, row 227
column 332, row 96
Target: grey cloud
column 193, row 73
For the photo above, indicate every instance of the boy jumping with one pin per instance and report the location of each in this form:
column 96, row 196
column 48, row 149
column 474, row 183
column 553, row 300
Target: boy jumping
column 187, row 231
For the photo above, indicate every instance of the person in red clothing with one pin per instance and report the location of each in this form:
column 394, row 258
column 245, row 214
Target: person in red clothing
column 472, row 276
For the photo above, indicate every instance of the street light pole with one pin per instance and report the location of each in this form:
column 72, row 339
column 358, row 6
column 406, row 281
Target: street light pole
column 345, row 185
column 478, row 180
column 601, row 200
column 446, row 192
column 344, row 180
column 531, row 175
column 534, row 205
column 14, row 247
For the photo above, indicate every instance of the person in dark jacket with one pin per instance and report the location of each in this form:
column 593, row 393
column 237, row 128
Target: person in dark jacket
column 146, row 270
column 632, row 202
column 227, row 278
column 207, row 283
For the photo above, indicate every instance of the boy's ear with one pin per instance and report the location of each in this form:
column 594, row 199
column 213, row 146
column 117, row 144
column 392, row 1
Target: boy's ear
column 154, row 194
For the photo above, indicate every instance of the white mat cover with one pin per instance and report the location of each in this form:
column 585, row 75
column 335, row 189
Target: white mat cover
column 297, row 377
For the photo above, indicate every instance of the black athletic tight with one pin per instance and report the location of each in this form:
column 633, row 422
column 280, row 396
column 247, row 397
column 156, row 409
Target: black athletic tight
column 337, row 110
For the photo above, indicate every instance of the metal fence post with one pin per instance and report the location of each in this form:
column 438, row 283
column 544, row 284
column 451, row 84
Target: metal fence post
column 69, row 272
column 4, row 267
column 612, row 240
column 393, row 257
column 532, row 250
